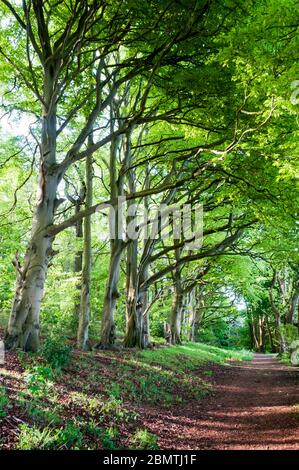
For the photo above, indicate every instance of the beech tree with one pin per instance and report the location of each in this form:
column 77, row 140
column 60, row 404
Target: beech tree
column 161, row 103
column 64, row 62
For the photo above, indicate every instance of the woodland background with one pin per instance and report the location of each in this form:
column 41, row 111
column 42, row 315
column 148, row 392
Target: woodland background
column 160, row 102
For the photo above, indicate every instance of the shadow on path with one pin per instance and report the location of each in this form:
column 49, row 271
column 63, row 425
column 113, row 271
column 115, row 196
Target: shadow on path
column 252, row 407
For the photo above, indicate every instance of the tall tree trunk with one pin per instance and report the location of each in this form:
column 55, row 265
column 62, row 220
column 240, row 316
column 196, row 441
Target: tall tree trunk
column 143, row 304
column 134, row 333
column 282, row 347
column 192, row 321
column 110, row 298
column 254, row 335
column 175, row 316
column 137, row 313
column 84, row 313
column 197, row 311
column 270, row 334
column 184, row 313
column 251, row 330
column 138, row 331
column 143, row 293
column 191, row 314
column 117, row 245
column 78, row 262
column 261, row 346
column 254, row 329
column 177, row 305
column 200, row 312
column 24, row 324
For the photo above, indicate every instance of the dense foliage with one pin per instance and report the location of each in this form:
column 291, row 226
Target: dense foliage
column 159, row 103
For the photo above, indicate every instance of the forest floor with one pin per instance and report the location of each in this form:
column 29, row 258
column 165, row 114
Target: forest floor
column 194, row 396
column 254, row 405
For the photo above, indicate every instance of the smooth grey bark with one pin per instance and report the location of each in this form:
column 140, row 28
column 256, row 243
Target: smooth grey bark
column 56, row 64
column 175, row 316
column 134, row 317
column 134, row 311
column 134, row 336
column 138, row 322
column 23, row 327
column 282, row 346
column 138, row 307
column 138, row 326
column 198, row 309
column 177, row 304
column 117, row 245
column 253, row 332
column 143, row 305
column 261, row 345
column 78, row 263
column 192, row 317
column 110, row 298
column 84, row 312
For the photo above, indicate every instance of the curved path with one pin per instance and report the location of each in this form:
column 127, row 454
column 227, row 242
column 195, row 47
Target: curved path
column 253, row 407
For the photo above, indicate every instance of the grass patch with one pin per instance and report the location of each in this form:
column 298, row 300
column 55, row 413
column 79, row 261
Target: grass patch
column 193, row 354
column 33, row 438
column 163, row 375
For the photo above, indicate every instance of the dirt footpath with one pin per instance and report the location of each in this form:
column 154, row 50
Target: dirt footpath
column 252, row 407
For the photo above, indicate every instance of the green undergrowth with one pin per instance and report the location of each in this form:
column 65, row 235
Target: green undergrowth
column 4, row 402
column 190, row 355
column 95, row 400
column 285, row 358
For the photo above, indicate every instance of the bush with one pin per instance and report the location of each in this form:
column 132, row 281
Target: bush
column 4, row 401
column 32, row 438
column 290, row 333
column 108, row 438
column 56, row 352
column 70, row 436
column 142, row 439
column 38, row 379
column 42, row 414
